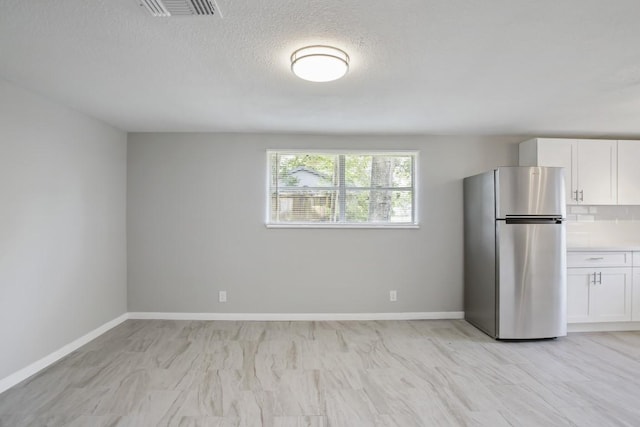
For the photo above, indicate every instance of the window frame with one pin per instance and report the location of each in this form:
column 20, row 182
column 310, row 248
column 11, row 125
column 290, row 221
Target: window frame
column 415, row 154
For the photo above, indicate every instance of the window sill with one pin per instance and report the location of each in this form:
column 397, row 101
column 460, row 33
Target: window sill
column 368, row 226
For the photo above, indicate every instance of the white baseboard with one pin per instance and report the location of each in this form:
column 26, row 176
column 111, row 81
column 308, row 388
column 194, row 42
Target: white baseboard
column 35, row 367
column 299, row 316
column 603, row 327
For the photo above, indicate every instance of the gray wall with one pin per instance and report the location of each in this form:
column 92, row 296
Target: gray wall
column 196, row 210
column 62, row 226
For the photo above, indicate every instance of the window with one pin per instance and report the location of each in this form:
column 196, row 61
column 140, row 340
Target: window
column 342, row 188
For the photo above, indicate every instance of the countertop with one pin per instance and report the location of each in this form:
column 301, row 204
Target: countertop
column 631, row 247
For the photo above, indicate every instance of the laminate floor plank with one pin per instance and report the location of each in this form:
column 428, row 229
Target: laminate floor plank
column 333, row 373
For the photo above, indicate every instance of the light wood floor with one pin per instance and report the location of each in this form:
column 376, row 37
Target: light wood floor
column 382, row 373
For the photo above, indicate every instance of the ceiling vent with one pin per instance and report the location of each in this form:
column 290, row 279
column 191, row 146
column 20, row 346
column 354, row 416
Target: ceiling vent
column 164, row 8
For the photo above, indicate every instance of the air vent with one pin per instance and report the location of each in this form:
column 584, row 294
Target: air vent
column 164, row 8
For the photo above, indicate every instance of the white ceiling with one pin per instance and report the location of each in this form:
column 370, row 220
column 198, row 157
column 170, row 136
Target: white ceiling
column 543, row 67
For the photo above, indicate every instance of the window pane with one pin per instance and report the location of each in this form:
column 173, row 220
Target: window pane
column 379, row 206
column 357, row 206
column 378, row 171
column 357, row 170
column 273, row 166
column 304, row 206
column 402, row 172
column 307, row 170
column 401, row 206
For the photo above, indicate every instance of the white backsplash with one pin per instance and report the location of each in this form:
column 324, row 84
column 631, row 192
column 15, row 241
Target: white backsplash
column 603, row 226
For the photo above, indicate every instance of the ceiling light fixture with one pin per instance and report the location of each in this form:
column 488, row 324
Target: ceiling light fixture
column 319, row 63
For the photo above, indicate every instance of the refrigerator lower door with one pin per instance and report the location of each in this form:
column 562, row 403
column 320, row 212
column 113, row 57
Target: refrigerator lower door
column 532, row 281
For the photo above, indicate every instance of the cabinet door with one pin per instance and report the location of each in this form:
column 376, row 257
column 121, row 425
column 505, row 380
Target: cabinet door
column 603, row 298
column 628, row 173
column 597, row 172
column 635, row 295
column 610, row 296
column 579, row 282
column 561, row 153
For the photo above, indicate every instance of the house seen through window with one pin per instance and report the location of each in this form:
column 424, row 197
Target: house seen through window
column 343, row 188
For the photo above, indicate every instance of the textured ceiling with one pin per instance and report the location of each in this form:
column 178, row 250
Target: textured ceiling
column 543, row 67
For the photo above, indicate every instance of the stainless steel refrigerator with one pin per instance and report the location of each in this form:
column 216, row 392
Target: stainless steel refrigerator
column 515, row 252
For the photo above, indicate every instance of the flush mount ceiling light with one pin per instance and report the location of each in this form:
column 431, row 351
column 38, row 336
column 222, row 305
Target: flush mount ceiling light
column 319, row 63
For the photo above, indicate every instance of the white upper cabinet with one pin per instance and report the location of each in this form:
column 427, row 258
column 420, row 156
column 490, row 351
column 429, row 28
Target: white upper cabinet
column 629, row 172
column 597, row 172
column 553, row 152
column 590, row 166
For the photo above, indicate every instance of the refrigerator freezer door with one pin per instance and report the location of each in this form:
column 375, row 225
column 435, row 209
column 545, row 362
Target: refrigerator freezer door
column 532, row 282
column 530, row 191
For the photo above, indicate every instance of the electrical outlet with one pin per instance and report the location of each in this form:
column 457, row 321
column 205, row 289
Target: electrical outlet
column 393, row 296
column 222, row 296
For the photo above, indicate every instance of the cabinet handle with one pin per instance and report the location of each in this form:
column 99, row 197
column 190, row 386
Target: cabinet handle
column 596, row 258
column 597, row 278
column 576, row 195
column 581, row 196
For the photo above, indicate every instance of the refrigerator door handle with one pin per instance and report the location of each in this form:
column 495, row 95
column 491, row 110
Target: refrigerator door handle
column 533, row 220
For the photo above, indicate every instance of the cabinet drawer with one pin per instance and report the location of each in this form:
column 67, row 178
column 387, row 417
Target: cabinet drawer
column 599, row 259
column 636, row 259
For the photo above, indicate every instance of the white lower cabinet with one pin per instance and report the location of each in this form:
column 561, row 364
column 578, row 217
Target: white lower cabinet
column 599, row 294
column 602, row 295
column 578, row 295
column 635, row 293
